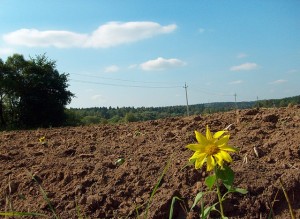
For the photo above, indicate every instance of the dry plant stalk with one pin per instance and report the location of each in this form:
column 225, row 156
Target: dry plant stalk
column 255, row 151
column 287, row 199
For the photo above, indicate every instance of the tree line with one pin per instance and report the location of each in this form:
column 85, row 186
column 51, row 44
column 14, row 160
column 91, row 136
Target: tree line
column 96, row 115
column 32, row 93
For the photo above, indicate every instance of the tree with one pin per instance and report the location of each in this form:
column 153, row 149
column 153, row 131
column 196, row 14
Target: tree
column 2, row 93
column 35, row 92
column 8, row 88
column 130, row 117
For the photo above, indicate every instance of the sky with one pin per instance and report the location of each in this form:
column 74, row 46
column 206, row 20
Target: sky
column 148, row 53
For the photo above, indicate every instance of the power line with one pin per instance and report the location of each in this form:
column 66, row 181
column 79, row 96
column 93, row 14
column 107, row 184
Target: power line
column 141, row 86
column 211, row 92
column 118, row 79
column 121, row 85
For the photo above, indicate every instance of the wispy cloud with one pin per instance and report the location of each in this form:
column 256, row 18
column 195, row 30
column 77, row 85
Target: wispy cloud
column 292, row 71
column 280, row 81
column 244, row 67
column 6, row 51
column 160, row 64
column 112, row 68
column 99, row 98
column 132, row 66
column 201, row 30
column 241, row 55
column 107, row 35
column 236, row 82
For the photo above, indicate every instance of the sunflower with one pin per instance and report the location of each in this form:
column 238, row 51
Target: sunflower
column 212, row 148
column 42, row 139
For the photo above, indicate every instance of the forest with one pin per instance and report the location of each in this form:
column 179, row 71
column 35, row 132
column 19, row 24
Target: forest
column 104, row 115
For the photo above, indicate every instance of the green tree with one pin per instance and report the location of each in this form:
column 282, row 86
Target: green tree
column 2, row 93
column 130, row 117
column 8, row 89
column 91, row 120
column 35, row 92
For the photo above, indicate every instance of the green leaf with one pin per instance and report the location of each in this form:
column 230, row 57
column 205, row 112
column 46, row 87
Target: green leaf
column 157, row 185
column 197, row 199
column 172, row 206
column 226, row 175
column 210, row 181
column 239, row 190
column 207, row 210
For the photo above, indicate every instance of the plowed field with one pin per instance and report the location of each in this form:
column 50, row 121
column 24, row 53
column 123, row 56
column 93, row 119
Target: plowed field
column 77, row 167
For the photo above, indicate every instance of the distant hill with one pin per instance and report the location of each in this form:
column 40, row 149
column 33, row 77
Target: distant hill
column 94, row 115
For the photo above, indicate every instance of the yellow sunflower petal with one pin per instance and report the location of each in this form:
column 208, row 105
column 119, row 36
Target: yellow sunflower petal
column 211, row 163
column 200, row 161
column 197, row 155
column 226, row 156
column 223, row 140
column 218, row 134
column 208, row 134
column 200, row 138
column 219, row 159
column 195, row 147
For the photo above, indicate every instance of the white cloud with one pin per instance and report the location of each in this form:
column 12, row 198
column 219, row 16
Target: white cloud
column 280, row 81
column 241, row 55
column 244, row 67
column 98, row 98
column 112, row 68
column 36, row 38
column 201, row 30
column 292, row 71
column 107, row 35
column 115, row 33
column 7, row 51
column 132, row 66
column 236, row 82
column 160, row 64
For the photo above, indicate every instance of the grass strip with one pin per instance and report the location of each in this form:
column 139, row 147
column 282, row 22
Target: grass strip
column 44, row 196
column 157, row 185
column 21, row 214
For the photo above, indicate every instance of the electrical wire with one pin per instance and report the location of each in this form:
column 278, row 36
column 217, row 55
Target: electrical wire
column 205, row 91
column 117, row 79
column 211, row 92
column 121, row 85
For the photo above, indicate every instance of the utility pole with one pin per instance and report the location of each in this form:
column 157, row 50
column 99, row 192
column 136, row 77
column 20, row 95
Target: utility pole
column 187, row 102
column 235, row 100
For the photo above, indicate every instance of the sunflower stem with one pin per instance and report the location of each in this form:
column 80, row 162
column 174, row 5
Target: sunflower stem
column 219, row 194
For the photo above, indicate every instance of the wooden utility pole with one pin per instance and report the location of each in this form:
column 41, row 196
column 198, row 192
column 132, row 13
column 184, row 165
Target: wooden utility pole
column 235, row 100
column 187, row 101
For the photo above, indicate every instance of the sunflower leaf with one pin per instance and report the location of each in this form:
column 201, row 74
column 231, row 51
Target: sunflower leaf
column 226, row 175
column 207, row 210
column 240, row 190
column 197, row 199
column 210, row 181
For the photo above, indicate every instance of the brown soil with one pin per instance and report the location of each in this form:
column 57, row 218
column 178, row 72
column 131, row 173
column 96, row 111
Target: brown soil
column 76, row 166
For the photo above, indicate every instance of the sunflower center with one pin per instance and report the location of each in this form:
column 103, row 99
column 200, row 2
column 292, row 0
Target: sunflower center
column 212, row 149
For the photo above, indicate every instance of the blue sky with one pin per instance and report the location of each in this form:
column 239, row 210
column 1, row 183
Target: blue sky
column 142, row 52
